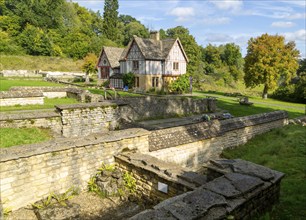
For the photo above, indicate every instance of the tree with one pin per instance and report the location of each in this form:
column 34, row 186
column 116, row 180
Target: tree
column 268, row 60
column 110, row 16
column 181, row 85
column 89, row 65
column 129, row 79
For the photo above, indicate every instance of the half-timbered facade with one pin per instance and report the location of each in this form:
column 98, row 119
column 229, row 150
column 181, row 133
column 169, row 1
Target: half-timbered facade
column 108, row 62
column 155, row 62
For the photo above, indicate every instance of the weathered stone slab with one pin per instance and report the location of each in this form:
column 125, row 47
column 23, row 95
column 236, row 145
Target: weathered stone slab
column 161, row 214
column 59, row 212
column 195, row 204
column 193, row 177
column 244, row 183
column 223, row 187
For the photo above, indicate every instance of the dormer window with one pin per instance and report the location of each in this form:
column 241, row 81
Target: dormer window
column 135, row 64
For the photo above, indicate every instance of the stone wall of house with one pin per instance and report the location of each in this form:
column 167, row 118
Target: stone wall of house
column 87, row 118
column 32, row 119
column 11, row 98
column 241, row 190
column 30, row 173
column 140, row 108
column 193, row 145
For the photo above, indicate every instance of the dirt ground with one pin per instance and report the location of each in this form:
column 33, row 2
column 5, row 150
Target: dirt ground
column 92, row 207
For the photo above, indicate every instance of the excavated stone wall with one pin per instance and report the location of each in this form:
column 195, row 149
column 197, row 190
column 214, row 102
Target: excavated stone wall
column 193, row 145
column 235, row 189
column 31, row 172
column 11, row 98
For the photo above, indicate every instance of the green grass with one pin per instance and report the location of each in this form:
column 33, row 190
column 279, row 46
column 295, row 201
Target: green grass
column 19, row 136
column 232, row 105
column 121, row 93
column 287, row 154
column 48, row 103
column 26, row 62
column 6, row 84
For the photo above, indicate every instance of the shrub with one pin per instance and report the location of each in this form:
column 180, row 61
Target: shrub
column 181, row 85
column 129, row 79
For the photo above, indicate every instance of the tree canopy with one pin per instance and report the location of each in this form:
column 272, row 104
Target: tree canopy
column 110, row 22
column 269, row 60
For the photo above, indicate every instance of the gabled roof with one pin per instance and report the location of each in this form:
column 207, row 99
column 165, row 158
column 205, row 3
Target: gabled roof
column 113, row 55
column 153, row 49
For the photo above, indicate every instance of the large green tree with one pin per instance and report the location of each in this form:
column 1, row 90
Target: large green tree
column 269, row 59
column 111, row 20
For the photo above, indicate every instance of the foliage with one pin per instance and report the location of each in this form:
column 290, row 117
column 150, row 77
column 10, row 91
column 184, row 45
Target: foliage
column 110, row 22
column 89, row 65
column 292, row 92
column 129, row 79
column 130, row 182
column 286, row 153
column 19, row 136
column 302, row 67
column 53, row 199
column 26, row 62
column 181, row 85
column 268, row 60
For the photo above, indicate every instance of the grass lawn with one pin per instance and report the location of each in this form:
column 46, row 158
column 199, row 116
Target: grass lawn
column 286, row 153
column 260, row 106
column 19, row 136
column 6, row 84
column 26, row 62
column 48, row 103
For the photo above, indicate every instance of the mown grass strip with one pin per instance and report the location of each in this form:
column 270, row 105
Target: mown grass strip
column 19, row 136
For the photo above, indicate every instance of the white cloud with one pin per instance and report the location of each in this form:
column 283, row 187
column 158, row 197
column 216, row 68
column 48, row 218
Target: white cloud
column 182, row 13
column 228, row 4
column 218, row 38
column 283, row 24
column 299, row 35
column 216, row 21
column 296, row 16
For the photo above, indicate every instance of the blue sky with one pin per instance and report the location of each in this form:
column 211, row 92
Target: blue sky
column 220, row 21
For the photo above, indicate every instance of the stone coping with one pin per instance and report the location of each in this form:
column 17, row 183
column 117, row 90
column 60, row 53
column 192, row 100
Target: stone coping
column 21, row 115
column 218, row 198
column 87, row 105
column 166, row 170
column 39, row 88
column 60, row 144
column 20, row 94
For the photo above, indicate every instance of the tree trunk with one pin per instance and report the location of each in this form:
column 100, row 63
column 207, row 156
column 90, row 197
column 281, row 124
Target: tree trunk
column 265, row 92
column 87, row 81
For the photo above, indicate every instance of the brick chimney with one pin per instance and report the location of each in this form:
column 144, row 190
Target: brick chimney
column 154, row 35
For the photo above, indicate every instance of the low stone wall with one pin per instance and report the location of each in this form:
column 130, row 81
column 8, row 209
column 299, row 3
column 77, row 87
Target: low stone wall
column 11, row 98
column 84, row 119
column 193, row 145
column 157, row 180
column 32, row 119
column 30, row 173
column 141, row 108
column 20, row 73
column 49, row 92
column 242, row 190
